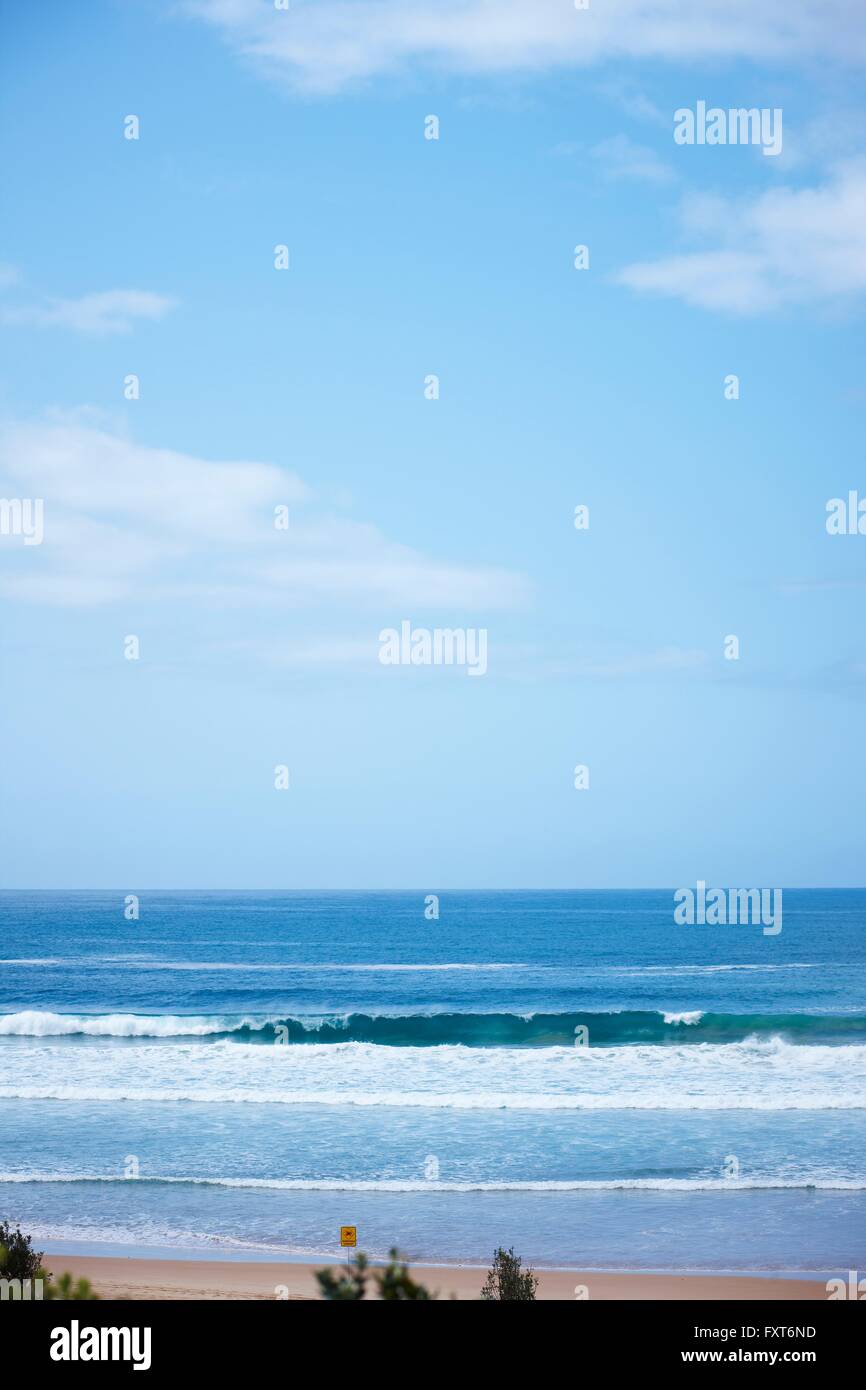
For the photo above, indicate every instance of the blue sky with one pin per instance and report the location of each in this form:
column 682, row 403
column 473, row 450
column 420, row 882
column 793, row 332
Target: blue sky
column 305, row 387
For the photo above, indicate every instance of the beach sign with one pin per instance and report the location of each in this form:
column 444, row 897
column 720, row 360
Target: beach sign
column 348, row 1235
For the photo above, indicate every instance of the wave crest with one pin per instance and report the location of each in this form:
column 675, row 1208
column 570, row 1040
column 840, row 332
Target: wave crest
column 435, row 1029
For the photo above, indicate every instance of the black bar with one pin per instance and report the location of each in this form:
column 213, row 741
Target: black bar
column 297, row 1338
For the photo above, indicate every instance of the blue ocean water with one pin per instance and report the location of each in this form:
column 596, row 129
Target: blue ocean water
column 571, row 1073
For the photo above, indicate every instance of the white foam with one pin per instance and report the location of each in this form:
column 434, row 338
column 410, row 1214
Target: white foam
column 715, row 1184
column 756, row 1074
column 33, row 1023
column 330, row 967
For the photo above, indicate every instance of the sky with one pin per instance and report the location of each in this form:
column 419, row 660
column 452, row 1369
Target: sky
column 308, row 388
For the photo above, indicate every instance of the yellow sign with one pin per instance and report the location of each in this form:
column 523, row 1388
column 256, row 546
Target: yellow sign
column 348, row 1235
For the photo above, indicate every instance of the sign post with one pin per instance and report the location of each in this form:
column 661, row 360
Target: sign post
column 348, row 1239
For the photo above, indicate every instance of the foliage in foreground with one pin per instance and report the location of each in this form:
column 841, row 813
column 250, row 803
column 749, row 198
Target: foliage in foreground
column 507, row 1282
column 18, row 1260
column 66, row 1291
column 393, row 1283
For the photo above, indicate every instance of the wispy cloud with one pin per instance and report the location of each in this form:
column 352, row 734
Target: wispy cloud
column 320, row 45
column 660, row 661
column 124, row 519
column 622, row 158
column 592, row 661
column 109, row 311
column 633, row 101
column 787, row 246
column 321, row 653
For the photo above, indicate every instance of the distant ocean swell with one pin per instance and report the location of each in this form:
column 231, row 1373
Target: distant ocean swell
column 707, row 1184
column 436, row 1029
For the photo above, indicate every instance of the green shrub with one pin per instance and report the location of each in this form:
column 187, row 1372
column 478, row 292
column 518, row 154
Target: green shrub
column 65, row 1291
column 396, row 1284
column 347, row 1286
column 393, row 1283
column 507, row 1282
column 18, row 1259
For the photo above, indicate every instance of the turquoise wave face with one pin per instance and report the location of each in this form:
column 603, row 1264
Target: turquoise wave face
column 467, row 1029
column 551, row 1030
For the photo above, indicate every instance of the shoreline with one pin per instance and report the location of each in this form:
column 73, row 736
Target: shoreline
column 132, row 1277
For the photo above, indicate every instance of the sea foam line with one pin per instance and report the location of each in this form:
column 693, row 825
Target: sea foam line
column 331, row 967
column 706, row 1184
column 463, row 1100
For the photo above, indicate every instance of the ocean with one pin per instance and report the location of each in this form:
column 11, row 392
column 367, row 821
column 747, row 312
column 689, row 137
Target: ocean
column 238, row 1074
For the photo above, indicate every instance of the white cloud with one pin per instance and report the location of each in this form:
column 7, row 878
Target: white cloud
column 391, row 573
column 124, row 519
column 787, row 246
column 320, row 45
column 839, row 129
column 110, row 311
column 87, row 472
column 622, row 158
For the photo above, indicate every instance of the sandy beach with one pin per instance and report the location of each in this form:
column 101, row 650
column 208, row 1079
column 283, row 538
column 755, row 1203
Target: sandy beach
column 133, row 1278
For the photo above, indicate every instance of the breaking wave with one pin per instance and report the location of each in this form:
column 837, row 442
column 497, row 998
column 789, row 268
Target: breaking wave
column 435, row 1029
